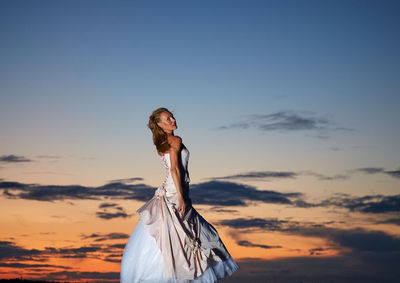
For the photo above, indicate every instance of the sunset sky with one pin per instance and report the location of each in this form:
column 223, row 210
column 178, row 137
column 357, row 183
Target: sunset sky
column 290, row 111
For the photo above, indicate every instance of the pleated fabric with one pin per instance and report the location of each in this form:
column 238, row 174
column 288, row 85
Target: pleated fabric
column 166, row 246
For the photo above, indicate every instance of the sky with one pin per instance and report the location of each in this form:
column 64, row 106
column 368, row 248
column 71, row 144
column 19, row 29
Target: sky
column 289, row 110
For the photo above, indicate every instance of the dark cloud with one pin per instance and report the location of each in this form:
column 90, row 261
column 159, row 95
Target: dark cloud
column 395, row 221
column 379, row 170
column 223, row 209
column 358, row 239
column 13, row 158
column 252, row 245
column 322, row 177
column 107, row 204
column 395, row 173
column 217, row 193
column 116, row 211
column 78, row 275
column 111, row 215
column 363, row 255
column 15, row 190
column 366, row 204
column 338, row 269
column 258, row 175
column 271, row 224
column 262, row 175
column 371, row 170
column 31, row 265
column 105, row 237
column 287, row 121
column 234, row 194
column 318, row 251
column 127, row 180
column 13, row 256
column 9, row 250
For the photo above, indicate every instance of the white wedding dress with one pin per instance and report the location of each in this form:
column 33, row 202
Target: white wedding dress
column 168, row 247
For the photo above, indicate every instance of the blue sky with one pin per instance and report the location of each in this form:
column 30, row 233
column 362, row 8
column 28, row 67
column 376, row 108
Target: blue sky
column 290, row 96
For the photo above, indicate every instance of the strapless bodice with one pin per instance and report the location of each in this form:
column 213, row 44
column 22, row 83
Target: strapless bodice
column 183, row 160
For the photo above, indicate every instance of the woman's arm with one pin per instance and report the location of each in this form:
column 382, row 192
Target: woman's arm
column 176, row 142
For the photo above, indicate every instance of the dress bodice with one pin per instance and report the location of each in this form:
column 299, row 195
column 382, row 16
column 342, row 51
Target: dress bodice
column 183, row 160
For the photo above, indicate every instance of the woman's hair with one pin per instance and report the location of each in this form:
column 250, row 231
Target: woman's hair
column 159, row 136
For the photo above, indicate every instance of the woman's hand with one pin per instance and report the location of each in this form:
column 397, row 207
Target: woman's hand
column 181, row 205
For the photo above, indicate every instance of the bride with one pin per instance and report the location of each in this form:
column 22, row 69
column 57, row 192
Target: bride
column 172, row 242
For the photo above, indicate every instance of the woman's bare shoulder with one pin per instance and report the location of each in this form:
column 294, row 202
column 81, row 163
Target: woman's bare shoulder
column 175, row 141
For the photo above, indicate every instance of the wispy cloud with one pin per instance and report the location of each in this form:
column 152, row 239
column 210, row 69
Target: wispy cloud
column 59, row 192
column 127, row 180
column 283, row 121
column 395, row 221
column 366, row 204
column 252, row 245
column 358, row 239
column 105, row 236
column 257, row 175
column 215, row 193
column 267, row 175
column 14, row 159
column 116, row 211
column 361, row 253
column 12, row 255
column 235, row 194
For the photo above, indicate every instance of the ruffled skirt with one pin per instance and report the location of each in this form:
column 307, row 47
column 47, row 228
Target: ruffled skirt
column 142, row 261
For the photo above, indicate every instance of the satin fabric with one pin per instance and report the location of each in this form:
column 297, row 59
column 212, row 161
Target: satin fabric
column 174, row 247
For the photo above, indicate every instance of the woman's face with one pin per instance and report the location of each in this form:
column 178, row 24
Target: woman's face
column 168, row 122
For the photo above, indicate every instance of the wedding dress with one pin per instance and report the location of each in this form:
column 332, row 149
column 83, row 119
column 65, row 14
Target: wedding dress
column 168, row 247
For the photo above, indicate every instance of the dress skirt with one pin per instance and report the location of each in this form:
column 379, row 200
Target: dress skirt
column 142, row 261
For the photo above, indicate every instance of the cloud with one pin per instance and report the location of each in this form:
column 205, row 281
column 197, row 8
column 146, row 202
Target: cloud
column 223, row 209
column 366, row 204
column 271, row 224
column 338, row 269
column 318, row 251
column 106, row 214
column 13, row 159
column 105, row 205
column 395, row 173
column 59, row 192
column 395, row 221
column 31, row 265
column 127, row 180
column 262, row 175
column 287, row 121
column 363, row 255
column 111, row 215
column 215, row 193
column 376, row 170
column 249, row 244
column 212, row 193
column 358, row 239
column 258, row 175
column 16, row 255
column 105, row 237
column 8, row 250
column 234, row 194
column 78, row 275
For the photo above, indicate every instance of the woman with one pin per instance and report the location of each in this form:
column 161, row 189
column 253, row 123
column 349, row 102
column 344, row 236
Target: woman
column 171, row 241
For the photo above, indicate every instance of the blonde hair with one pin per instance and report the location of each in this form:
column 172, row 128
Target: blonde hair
column 160, row 139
